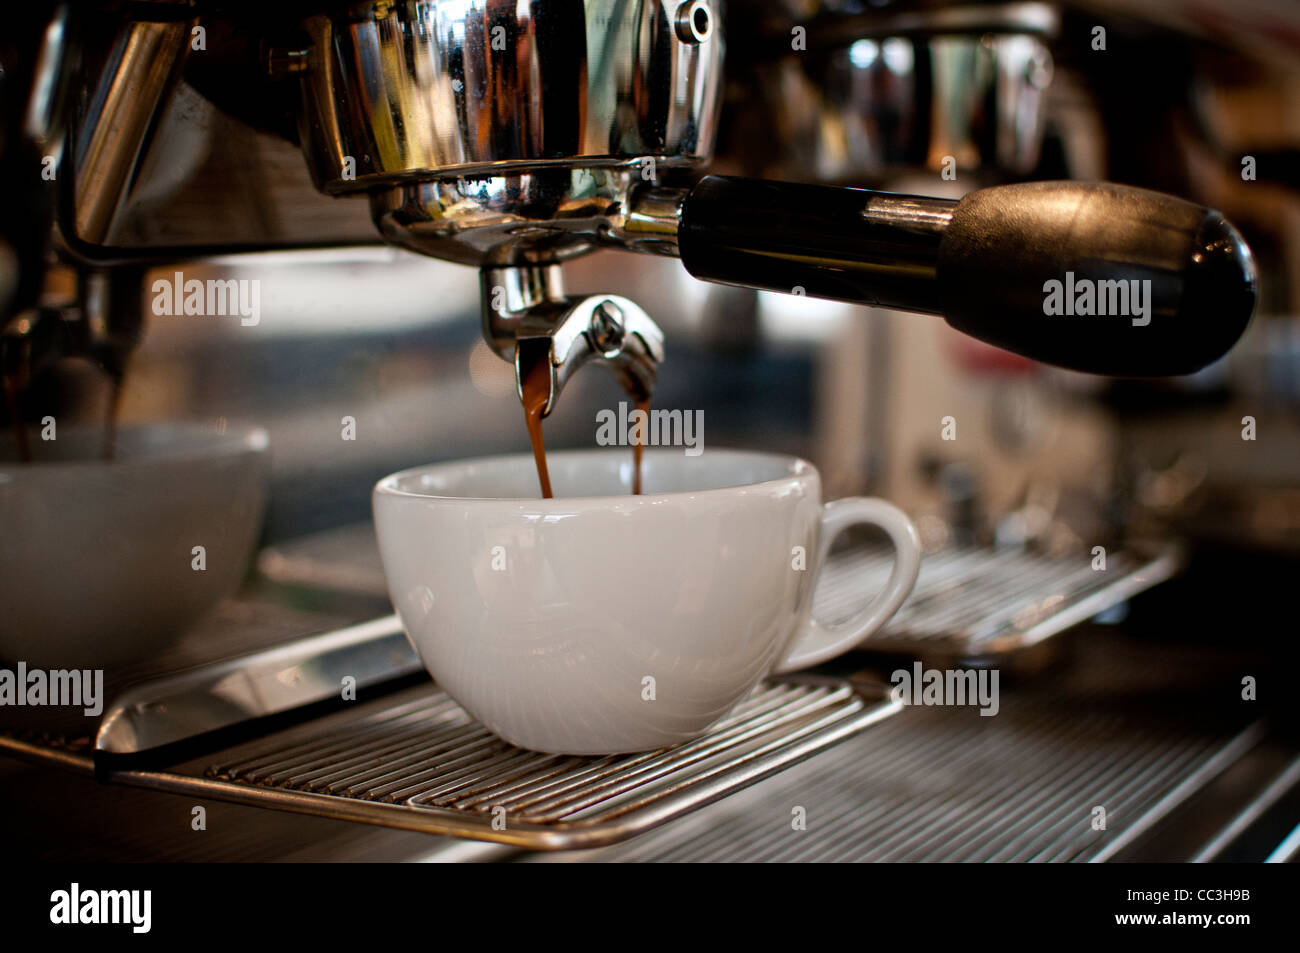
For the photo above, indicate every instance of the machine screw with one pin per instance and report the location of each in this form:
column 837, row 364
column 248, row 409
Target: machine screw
column 694, row 21
column 607, row 326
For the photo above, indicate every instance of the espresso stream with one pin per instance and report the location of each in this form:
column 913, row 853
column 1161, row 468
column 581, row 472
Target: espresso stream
column 638, row 448
column 535, row 382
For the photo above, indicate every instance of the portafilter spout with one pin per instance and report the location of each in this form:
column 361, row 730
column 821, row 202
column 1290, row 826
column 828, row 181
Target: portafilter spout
column 527, row 317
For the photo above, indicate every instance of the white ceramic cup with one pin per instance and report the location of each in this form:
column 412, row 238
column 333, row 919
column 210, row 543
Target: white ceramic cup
column 598, row 622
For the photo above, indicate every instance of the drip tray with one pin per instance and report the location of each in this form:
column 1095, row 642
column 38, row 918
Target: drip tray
column 416, row 760
column 984, row 604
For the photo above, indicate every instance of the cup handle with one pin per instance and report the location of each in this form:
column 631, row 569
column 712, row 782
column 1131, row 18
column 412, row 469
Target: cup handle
column 819, row 642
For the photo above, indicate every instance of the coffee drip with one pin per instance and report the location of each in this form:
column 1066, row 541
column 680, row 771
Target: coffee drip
column 638, row 448
column 535, row 387
column 535, row 392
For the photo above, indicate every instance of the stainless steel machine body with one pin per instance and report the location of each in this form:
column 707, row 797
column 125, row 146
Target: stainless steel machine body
column 524, row 139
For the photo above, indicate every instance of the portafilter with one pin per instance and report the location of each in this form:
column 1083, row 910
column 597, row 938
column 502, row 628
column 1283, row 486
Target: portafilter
column 515, row 134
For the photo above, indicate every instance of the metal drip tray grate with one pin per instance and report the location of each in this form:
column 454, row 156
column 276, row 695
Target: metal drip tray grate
column 973, row 603
column 947, row 785
column 416, row 760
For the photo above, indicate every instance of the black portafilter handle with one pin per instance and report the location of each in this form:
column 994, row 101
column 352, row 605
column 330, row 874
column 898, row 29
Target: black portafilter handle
column 1094, row 277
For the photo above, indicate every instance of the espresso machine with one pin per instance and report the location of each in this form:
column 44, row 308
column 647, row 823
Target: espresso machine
column 513, row 140
column 887, row 157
